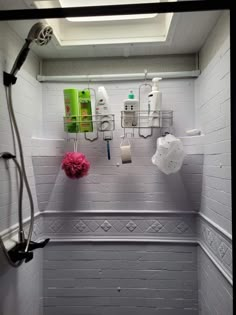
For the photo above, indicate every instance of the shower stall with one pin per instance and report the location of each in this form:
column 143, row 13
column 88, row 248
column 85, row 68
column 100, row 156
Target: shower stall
column 127, row 238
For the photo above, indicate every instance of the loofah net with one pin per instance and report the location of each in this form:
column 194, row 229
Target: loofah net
column 75, row 165
column 169, row 155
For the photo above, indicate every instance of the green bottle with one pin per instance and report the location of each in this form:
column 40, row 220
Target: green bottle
column 71, row 110
column 131, row 95
column 85, row 111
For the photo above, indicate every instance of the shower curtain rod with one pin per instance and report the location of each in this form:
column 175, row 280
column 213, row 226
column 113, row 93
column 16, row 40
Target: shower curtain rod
column 141, row 8
column 118, row 77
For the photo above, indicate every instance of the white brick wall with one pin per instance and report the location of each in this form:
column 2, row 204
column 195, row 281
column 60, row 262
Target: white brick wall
column 109, row 187
column 20, row 289
column 212, row 101
column 27, row 98
column 215, row 293
column 177, row 96
column 120, row 278
column 138, row 186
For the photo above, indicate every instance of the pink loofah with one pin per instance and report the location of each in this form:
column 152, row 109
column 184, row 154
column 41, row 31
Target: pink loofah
column 75, row 165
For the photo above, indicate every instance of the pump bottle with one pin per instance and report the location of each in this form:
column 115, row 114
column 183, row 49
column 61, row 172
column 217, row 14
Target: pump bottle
column 131, row 107
column 103, row 110
column 154, row 103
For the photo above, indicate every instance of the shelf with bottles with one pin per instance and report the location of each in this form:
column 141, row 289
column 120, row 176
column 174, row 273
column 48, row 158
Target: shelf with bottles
column 147, row 119
column 90, row 126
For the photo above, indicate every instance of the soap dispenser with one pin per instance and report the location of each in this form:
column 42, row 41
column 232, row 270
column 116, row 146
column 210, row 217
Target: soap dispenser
column 131, row 107
column 154, row 103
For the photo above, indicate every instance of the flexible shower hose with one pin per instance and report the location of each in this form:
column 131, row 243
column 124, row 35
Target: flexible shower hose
column 17, row 264
column 23, row 171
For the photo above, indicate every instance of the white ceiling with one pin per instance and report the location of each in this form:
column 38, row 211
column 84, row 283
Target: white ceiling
column 187, row 33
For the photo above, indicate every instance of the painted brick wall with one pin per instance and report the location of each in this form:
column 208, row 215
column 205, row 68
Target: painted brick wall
column 177, row 96
column 215, row 293
column 111, row 185
column 212, row 100
column 114, row 279
column 139, row 186
column 82, row 279
column 20, row 289
column 27, row 98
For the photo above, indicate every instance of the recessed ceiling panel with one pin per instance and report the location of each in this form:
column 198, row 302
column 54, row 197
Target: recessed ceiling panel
column 179, row 33
column 102, row 30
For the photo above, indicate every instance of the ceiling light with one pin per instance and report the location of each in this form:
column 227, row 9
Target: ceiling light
column 111, row 18
column 82, row 3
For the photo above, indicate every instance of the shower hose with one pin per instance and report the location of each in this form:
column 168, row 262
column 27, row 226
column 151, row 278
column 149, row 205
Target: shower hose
column 23, row 179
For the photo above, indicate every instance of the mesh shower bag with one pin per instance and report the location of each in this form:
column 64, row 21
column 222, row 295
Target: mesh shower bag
column 169, row 155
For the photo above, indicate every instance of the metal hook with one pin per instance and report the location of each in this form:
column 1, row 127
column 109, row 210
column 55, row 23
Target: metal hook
column 88, row 81
column 145, row 76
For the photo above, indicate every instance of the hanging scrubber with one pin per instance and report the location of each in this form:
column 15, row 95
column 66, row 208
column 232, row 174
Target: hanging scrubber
column 169, row 155
column 75, row 164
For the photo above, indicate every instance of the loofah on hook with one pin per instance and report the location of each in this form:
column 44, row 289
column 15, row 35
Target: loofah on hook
column 75, row 165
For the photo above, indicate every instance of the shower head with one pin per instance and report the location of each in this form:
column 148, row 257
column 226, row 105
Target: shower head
column 39, row 33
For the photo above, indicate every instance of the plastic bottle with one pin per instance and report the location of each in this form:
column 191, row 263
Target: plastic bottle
column 154, row 102
column 71, row 110
column 85, row 111
column 131, row 107
column 104, row 119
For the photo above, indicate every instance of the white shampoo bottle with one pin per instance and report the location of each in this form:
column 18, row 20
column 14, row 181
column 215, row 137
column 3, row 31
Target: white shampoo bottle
column 154, row 103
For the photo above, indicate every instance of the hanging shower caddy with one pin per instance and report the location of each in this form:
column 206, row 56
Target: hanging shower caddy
column 144, row 121
column 94, row 124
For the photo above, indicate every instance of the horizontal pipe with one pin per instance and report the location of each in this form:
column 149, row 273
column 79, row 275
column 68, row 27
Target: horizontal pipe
column 118, row 77
column 141, row 8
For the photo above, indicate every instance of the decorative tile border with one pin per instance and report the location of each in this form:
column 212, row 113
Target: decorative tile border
column 62, row 225
column 133, row 227
column 217, row 243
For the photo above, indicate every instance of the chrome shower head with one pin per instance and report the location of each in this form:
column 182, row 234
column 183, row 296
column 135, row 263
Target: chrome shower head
column 40, row 33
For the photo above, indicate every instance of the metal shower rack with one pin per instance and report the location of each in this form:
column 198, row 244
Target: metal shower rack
column 104, row 124
column 144, row 119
